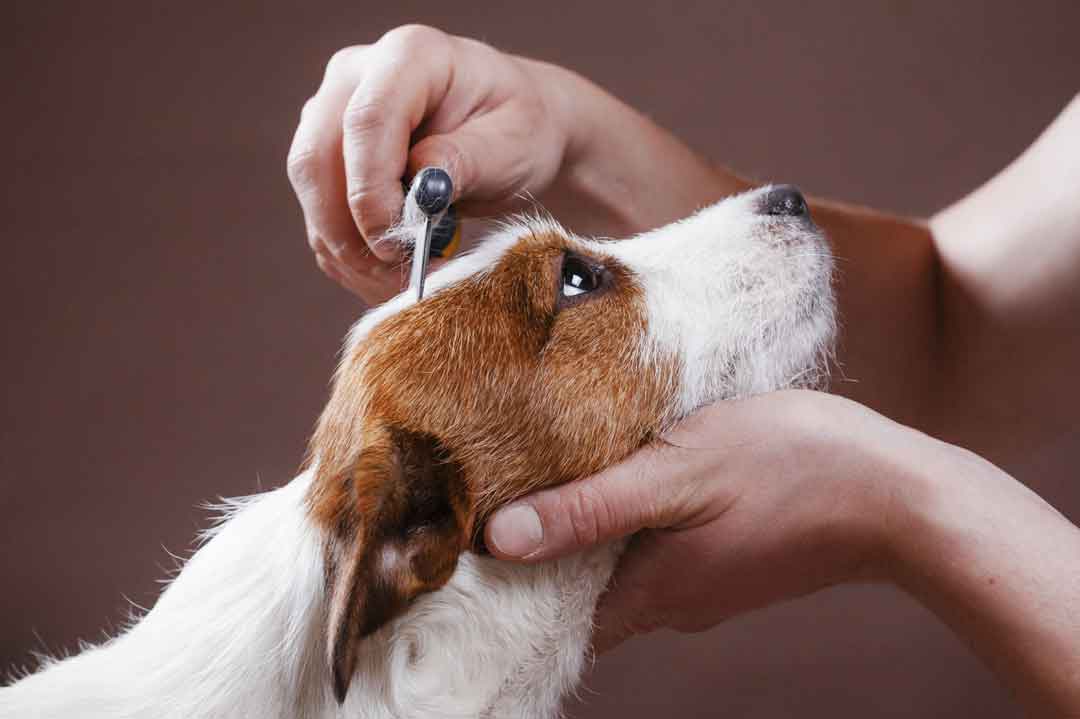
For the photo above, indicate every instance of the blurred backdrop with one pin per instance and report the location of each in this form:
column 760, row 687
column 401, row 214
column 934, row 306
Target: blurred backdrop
column 170, row 340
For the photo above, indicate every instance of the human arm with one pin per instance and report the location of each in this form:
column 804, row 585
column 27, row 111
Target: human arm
column 505, row 127
column 967, row 325
column 756, row 501
column 959, row 326
column 1009, row 307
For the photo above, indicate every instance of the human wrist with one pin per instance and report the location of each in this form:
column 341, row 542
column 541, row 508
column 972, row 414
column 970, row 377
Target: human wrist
column 997, row 564
column 620, row 172
column 952, row 515
column 930, row 484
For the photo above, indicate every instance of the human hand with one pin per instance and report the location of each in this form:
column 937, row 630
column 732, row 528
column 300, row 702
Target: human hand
column 746, row 503
column 417, row 97
column 755, row 501
column 503, row 126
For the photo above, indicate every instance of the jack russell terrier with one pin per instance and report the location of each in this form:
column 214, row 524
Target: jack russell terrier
column 360, row 588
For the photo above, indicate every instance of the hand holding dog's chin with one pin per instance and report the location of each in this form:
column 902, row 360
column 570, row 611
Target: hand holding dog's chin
column 742, row 504
column 753, row 502
column 778, row 496
column 746, row 504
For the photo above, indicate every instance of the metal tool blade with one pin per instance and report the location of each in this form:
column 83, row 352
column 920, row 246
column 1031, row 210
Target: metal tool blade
column 421, row 252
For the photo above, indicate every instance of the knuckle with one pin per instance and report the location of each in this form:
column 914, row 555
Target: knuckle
column 479, row 48
column 587, row 513
column 300, row 165
column 309, row 108
column 342, row 253
column 362, row 201
column 325, row 264
column 533, row 113
column 340, row 60
column 660, row 512
column 333, row 252
column 368, row 210
column 413, row 35
column 653, row 495
column 318, row 245
column 364, row 114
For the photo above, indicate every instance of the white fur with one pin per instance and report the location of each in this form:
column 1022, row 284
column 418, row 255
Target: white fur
column 742, row 299
column 241, row 634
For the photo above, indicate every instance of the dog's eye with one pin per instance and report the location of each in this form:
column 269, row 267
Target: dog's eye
column 578, row 278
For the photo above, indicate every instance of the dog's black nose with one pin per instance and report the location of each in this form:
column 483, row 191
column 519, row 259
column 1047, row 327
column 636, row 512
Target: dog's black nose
column 784, row 200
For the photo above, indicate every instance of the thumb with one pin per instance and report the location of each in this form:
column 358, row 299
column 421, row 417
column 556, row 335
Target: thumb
column 485, row 157
column 455, row 153
column 555, row 522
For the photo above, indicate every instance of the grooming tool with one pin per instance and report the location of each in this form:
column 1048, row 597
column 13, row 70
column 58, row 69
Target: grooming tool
column 431, row 191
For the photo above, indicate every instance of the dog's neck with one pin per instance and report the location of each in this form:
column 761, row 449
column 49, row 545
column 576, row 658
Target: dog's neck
column 241, row 633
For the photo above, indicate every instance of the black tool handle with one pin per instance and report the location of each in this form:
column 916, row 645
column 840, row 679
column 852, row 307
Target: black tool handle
column 434, row 191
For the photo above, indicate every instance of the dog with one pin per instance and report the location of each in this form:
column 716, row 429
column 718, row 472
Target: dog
column 362, row 588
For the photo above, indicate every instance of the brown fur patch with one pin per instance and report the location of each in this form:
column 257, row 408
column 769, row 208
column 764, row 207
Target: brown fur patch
column 516, row 392
column 397, row 524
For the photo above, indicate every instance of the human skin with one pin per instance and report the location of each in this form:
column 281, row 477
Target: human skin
column 965, row 327
column 779, row 495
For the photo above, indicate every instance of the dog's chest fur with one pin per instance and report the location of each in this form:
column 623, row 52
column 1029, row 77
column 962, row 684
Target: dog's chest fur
column 359, row 589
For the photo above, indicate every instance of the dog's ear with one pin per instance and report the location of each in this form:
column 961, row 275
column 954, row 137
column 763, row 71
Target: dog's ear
column 398, row 519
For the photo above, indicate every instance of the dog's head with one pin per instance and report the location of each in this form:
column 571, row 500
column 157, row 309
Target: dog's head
column 540, row 358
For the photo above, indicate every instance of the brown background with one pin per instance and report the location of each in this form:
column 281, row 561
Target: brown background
column 169, row 340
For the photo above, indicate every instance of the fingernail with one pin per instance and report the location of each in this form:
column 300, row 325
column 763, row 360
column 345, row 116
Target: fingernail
column 516, row 531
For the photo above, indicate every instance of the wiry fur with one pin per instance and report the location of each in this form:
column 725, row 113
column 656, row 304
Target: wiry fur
column 726, row 303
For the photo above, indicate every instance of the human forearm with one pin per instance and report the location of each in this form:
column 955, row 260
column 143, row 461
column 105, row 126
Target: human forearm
column 779, row 495
column 504, row 127
column 927, row 326
column 933, row 313
column 886, row 290
column 984, row 295
column 1000, row 566
column 622, row 173
column 968, row 326
column 1010, row 279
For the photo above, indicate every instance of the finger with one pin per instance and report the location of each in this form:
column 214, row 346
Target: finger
column 642, row 491
column 374, row 285
column 485, row 156
column 329, row 267
column 408, row 73
column 632, row 604
column 347, row 277
column 314, row 163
